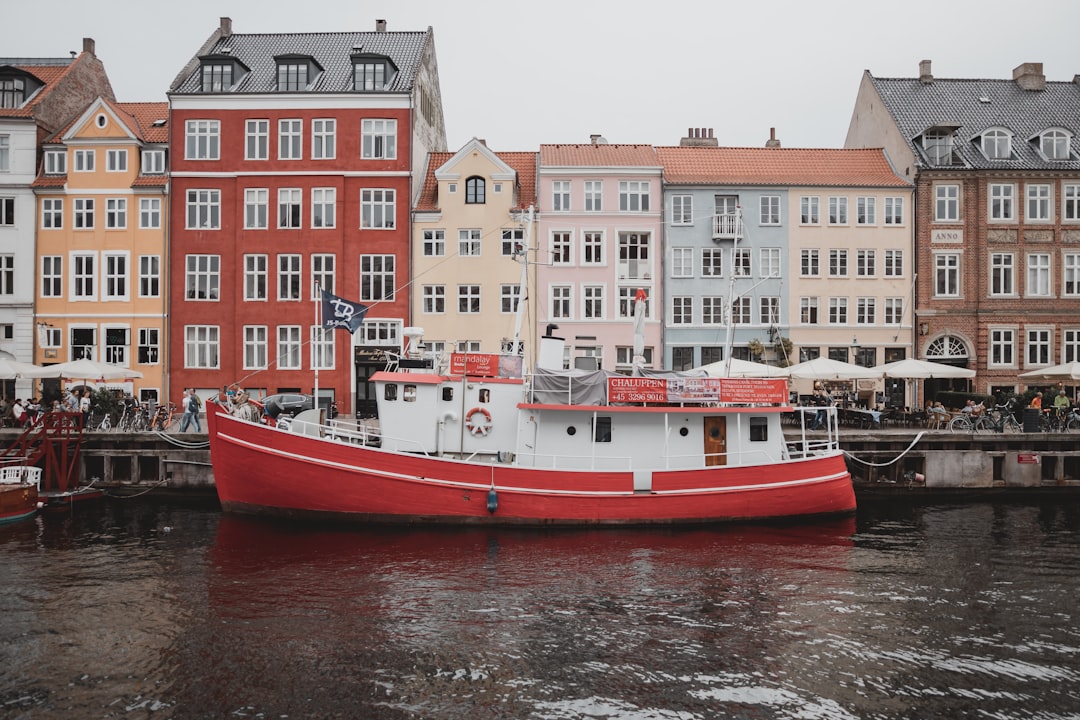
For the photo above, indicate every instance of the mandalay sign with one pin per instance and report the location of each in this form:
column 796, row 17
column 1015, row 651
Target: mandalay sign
column 749, row 391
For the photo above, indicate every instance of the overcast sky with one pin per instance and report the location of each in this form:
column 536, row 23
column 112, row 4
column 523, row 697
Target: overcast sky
column 520, row 74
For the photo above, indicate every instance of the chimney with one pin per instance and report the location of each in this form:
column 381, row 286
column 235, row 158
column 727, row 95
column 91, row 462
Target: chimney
column 772, row 141
column 1029, row 76
column 699, row 137
column 380, row 26
column 88, row 46
column 226, row 27
column 924, row 72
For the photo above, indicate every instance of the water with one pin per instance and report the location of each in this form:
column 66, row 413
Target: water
column 155, row 609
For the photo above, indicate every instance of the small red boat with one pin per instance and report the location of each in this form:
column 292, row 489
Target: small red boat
column 18, row 493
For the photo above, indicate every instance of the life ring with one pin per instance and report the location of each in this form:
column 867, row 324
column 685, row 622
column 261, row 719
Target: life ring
column 478, row 427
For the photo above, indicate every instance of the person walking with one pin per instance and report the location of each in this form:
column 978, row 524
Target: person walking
column 192, row 404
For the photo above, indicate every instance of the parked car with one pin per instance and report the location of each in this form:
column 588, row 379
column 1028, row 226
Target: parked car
column 287, row 404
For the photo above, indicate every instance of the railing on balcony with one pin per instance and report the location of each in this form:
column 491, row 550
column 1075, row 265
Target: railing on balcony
column 726, row 226
column 634, row 270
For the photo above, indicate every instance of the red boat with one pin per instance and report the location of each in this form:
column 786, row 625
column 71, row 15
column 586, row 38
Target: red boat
column 18, row 493
column 478, row 445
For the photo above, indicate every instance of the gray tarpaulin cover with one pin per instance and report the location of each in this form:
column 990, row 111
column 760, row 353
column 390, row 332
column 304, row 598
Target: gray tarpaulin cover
column 583, row 387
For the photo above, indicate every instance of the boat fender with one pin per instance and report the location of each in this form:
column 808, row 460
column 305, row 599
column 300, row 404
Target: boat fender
column 478, row 425
column 492, row 501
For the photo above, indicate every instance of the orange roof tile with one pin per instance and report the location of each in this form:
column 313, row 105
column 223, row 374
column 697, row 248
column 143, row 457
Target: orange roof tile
column 598, row 155
column 778, row 166
column 43, row 181
column 523, row 163
column 150, row 119
column 48, row 75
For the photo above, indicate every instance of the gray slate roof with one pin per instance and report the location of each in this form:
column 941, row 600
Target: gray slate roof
column 332, row 51
column 916, row 106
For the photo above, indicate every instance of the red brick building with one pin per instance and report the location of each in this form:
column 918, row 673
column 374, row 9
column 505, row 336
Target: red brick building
column 294, row 161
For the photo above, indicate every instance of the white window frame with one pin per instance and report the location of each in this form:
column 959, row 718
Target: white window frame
column 682, row 310
column 1040, row 203
column 865, row 263
column 55, row 160
column 290, row 277
column 116, row 160
column 947, row 269
column 52, row 276
column 809, row 310
column 378, row 208
column 153, row 162
column 323, row 346
column 149, row 276
column 148, row 350
column 469, row 242
column 83, row 160
column 434, row 242
column 593, row 302
column 893, row 211
column 560, row 196
column 593, row 248
column 1001, row 202
column 634, row 196
column 682, row 209
column 256, row 347
column 257, row 139
column 83, row 277
column 1038, row 346
column 1070, row 274
column 377, row 278
column 946, row 203
column 769, row 265
column 894, row 263
column 838, row 311
column 115, row 282
column 809, row 210
column 838, row 210
column 150, row 213
column 83, row 214
column 1039, row 275
column 562, row 247
column 202, row 274
column 712, row 262
column 52, row 213
column 682, row 262
column 256, row 277
column 116, row 213
column 290, row 139
column 323, row 274
column 378, row 139
column 290, row 208
column 469, row 299
column 1001, row 352
column 323, row 207
column 560, row 305
column 1002, row 274
column 256, row 208
column 1070, row 202
column 290, row 346
column 323, row 139
column 203, row 211
column 434, row 299
column 202, row 140
column 769, row 210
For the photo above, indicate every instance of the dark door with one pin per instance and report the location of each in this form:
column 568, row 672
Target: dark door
column 715, row 441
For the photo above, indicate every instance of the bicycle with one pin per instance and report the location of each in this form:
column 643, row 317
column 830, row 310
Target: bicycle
column 166, row 418
column 1000, row 419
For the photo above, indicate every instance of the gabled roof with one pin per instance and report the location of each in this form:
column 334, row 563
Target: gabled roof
column 598, row 155
column 147, row 121
column 47, row 70
column 974, row 106
column 523, row 163
column 332, row 51
column 824, row 167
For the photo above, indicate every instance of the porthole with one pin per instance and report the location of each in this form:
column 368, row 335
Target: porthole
column 684, row 431
column 101, row 120
column 571, row 430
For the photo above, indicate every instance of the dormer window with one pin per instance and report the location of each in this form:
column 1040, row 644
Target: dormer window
column 938, row 145
column 295, row 72
column 475, row 191
column 56, row 162
column 221, row 73
column 997, row 144
column 12, row 92
column 1054, row 145
column 372, row 73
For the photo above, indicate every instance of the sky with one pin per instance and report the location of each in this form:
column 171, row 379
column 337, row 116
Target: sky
column 519, row 75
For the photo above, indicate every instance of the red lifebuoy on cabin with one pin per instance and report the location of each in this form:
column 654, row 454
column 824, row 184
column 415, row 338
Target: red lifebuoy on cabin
column 478, row 421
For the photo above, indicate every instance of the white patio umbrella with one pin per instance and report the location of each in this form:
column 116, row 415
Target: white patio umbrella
column 86, row 369
column 914, row 369
column 824, row 368
column 743, row 369
column 11, row 369
column 1065, row 373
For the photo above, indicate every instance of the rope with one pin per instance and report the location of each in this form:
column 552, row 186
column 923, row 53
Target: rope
column 134, row 495
column 181, row 443
column 906, row 451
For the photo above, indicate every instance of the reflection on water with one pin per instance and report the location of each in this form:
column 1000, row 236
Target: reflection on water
column 147, row 609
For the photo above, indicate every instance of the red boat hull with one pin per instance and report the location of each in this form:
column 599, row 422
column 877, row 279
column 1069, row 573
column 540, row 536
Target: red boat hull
column 261, row 470
column 17, row 502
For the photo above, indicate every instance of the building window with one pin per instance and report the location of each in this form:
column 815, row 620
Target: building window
column 997, row 144
column 510, row 296
column 52, row 276
column 369, row 76
column 323, row 207
column 257, row 140
column 55, row 160
column 946, row 203
column 475, row 191
column 740, row 311
column 116, row 160
column 634, row 196
column 217, row 77
column 379, row 139
column 116, row 213
column 255, row 347
column 682, row 311
column 153, row 162
column 560, row 196
column 83, row 276
column 682, row 209
column 376, row 277
column 7, row 275
column 116, row 276
column 255, row 272
column 866, row 211
column 894, row 311
column 149, row 276
column 1001, row 202
column 594, row 196
column 468, row 299
column 377, row 209
column 865, row 263
column 434, row 243
column 5, row 155
column 1038, row 275
column 323, row 139
column 769, row 307
column 289, row 277
column 712, row 262
column 808, row 310
column 560, row 302
column 292, row 76
column 288, row 347
column 838, row 211
column 947, row 275
column 770, row 210
column 740, row 262
column 323, row 267
column 592, row 245
column 1002, row 276
column 513, row 240
column 837, row 311
column 290, row 139
column 1002, row 347
column 1070, row 345
column 894, row 263
column 256, row 201
column 1071, row 203
column 1038, row 203
column 634, row 254
column 1038, row 347
column 769, row 260
column 116, row 345
column 469, row 242
column 202, row 140
column 938, row 145
column 322, row 348
column 838, row 263
column 203, row 210
column 52, row 213
column 290, row 203
column 203, row 277
column 712, row 310
column 84, row 213
column 1070, row 286
column 84, row 161
column 865, row 311
column 562, row 249
column 1054, row 145
column 810, row 210
column 434, row 299
column 592, row 301
column 894, row 211
column 149, row 346
column 682, row 262
column 809, row 263
column 150, row 213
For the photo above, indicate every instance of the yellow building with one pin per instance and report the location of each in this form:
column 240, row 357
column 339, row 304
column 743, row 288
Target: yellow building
column 101, row 252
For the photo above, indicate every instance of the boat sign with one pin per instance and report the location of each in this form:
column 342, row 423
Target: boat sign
column 750, row 391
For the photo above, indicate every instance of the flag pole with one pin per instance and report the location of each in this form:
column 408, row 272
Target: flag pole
column 317, row 349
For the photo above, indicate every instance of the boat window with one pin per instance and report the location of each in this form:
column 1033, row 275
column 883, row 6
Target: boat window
column 602, row 430
column 759, row 429
column 485, row 395
column 409, row 393
column 391, row 391
column 448, row 394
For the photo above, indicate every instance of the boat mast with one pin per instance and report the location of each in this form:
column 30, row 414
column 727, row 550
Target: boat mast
column 729, row 325
column 523, row 288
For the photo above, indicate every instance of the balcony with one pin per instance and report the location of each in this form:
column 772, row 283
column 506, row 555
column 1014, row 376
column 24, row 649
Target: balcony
column 634, row 270
column 726, row 226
